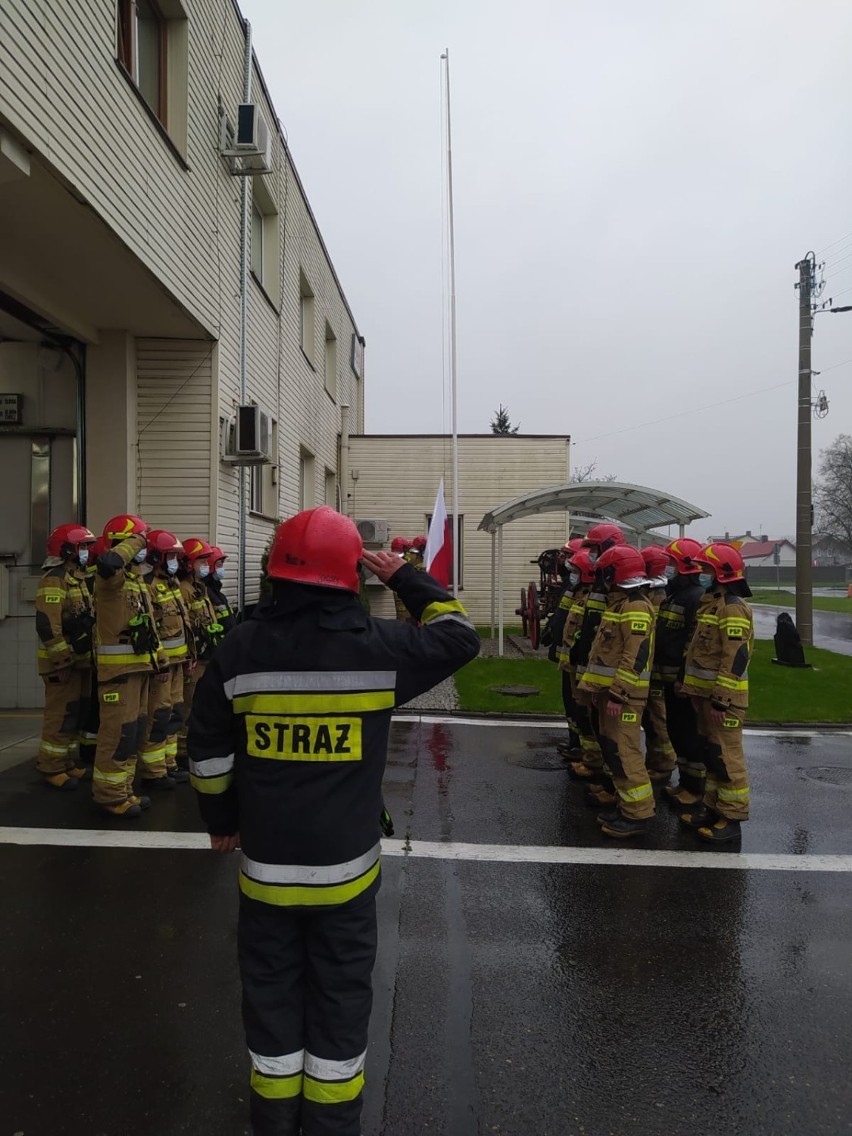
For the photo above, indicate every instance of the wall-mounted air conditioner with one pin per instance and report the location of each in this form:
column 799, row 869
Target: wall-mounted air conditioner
column 253, row 143
column 248, row 438
column 373, row 532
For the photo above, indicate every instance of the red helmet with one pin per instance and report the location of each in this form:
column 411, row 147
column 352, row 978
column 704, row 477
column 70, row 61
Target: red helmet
column 197, row 549
column 400, row 544
column 621, row 562
column 603, row 536
column 123, row 526
column 581, row 562
column 64, row 539
column 571, row 547
column 161, row 541
column 100, row 546
column 217, row 554
column 319, row 546
column 724, row 560
column 418, row 543
column 656, row 559
column 684, row 551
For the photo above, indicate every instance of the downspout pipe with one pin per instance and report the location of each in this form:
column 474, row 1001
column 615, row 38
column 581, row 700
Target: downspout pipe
column 344, row 459
column 245, row 219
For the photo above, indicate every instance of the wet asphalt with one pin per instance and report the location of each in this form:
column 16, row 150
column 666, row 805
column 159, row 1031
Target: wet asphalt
column 832, row 630
column 512, row 998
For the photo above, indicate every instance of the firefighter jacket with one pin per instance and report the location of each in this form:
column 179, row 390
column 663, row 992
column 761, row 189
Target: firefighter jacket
column 224, row 612
column 620, row 656
column 675, row 626
column 289, row 729
column 65, row 619
column 590, row 617
column 206, row 629
column 170, row 615
column 716, row 664
column 126, row 640
column 572, row 623
column 552, row 634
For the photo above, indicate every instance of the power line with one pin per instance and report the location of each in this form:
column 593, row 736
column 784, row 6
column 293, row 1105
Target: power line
column 825, row 248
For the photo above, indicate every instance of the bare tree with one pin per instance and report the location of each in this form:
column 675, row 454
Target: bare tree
column 587, row 473
column 833, row 491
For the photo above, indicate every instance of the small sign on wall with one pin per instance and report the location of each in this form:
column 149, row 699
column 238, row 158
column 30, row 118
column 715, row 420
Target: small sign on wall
column 10, row 409
column 358, row 355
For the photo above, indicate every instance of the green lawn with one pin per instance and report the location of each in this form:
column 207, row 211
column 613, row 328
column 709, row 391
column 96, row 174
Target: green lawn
column 778, row 694
column 788, row 599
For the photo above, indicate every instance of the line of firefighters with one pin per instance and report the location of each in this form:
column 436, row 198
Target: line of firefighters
column 658, row 638
column 126, row 624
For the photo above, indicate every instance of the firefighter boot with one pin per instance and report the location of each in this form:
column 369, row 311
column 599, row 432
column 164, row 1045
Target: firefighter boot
column 724, row 831
column 60, row 780
column 79, row 772
column 624, row 827
column 125, row 810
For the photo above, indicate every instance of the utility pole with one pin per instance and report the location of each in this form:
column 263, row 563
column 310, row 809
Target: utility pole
column 804, row 503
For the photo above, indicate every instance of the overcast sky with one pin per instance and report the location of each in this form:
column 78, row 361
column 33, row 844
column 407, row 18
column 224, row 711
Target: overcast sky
column 633, row 186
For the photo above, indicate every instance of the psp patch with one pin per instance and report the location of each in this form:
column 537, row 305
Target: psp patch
column 731, row 723
column 735, row 633
column 629, row 716
column 303, row 739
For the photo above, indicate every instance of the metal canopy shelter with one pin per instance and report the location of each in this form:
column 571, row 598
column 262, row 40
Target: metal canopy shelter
column 633, row 507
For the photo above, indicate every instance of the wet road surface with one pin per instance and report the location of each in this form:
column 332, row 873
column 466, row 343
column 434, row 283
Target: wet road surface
column 832, row 629
column 525, row 999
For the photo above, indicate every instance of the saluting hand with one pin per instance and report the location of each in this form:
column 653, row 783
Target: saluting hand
column 383, row 564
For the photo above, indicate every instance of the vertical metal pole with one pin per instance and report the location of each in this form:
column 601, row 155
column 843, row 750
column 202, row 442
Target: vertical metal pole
column 454, row 394
column 804, row 507
column 493, row 579
column 245, row 231
column 500, row 591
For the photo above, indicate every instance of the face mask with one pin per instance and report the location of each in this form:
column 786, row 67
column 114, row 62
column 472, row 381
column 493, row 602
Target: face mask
column 140, row 556
column 219, row 573
column 593, row 556
column 172, row 566
column 83, row 557
column 670, row 572
column 574, row 578
column 706, row 579
column 203, row 571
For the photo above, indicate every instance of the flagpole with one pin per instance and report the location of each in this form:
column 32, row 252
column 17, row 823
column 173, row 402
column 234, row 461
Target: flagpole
column 454, row 394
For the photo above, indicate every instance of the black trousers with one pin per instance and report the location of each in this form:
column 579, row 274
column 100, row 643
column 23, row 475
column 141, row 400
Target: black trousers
column 307, row 996
column 683, row 733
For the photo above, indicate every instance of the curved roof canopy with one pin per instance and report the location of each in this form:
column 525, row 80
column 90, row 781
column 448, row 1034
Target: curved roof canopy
column 634, row 506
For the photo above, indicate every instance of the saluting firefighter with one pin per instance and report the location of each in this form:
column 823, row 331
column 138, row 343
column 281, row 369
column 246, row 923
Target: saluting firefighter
column 675, row 628
column 618, row 675
column 165, row 692
column 716, row 678
column 287, row 744
column 221, row 605
column 128, row 653
column 659, row 751
column 597, row 540
column 417, row 552
column 207, row 632
column 400, row 546
column 64, row 622
column 581, row 578
column 89, row 731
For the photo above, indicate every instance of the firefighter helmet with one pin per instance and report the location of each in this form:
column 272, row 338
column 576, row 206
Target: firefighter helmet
column 123, row 526
column 656, row 559
column 196, row 549
column 724, row 560
column 64, row 539
column 603, row 536
column 582, row 563
column 216, row 554
column 684, row 551
column 161, row 541
column 418, row 543
column 620, row 563
column 319, row 546
column 400, row 544
column 572, row 547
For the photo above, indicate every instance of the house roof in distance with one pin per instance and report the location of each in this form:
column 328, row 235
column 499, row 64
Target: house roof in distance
column 757, row 549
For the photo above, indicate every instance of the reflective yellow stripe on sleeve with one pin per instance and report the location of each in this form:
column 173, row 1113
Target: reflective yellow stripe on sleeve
column 442, row 607
column 305, row 703
column 212, row 785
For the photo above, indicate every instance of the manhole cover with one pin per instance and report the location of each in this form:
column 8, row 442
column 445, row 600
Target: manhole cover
column 516, row 691
column 546, row 761
column 831, row 775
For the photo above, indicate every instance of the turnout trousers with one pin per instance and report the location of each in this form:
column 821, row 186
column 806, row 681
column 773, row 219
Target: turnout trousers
column 165, row 719
column 66, row 708
column 307, row 995
column 589, row 744
column 659, row 751
column 683, row 732
column 726, row 789
column 620, row 739
column 190, row 682
column 123, row 705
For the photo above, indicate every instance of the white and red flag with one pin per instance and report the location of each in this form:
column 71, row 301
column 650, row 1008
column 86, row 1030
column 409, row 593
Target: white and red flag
column 438, row 557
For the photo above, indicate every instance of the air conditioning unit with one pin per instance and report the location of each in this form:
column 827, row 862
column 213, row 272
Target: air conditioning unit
column 373, row 532
column 248, row 438
column 253, row 143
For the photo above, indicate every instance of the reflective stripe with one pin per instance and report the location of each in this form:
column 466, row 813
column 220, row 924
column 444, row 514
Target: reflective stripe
column 700, row 672
column 633, row 679
column 211, row 766
column 306, row 874
column 463, row 619
column 442, row 607
column 284, row 1066
column 314, row 703
column 153, row 756
column 640, row 793
column 332, row 1092
column 108, row 778
column 176, row 652
column 712, row 620
column 179, row 641
column 276, row 1088
column 49, row 747
column 327, row 1070
column 600, row 669
column 283, row 896
column 212, row 785
column 726, row 794
column 596, row 680
column 310, row 681
column 733, row 683
column 699, row 683
column 121, row 660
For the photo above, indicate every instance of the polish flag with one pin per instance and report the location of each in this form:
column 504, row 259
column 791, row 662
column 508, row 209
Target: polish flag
column 438, row 558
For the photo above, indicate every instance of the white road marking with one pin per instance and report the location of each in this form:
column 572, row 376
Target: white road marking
column 558, row 724
column 433, row 850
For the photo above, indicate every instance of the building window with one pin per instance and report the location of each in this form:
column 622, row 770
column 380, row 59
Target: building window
column 330, row 361
column 307, row 319
column 331, row 488
column 152, row 48
column 265, row 241
column 461, row 545
column 263, row 493
column 307, row 494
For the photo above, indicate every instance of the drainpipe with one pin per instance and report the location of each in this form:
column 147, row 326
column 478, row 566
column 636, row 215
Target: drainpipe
column 344, row 459
column 244, row 273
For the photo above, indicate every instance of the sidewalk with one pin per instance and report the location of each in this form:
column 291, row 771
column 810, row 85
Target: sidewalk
column 19, row 734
